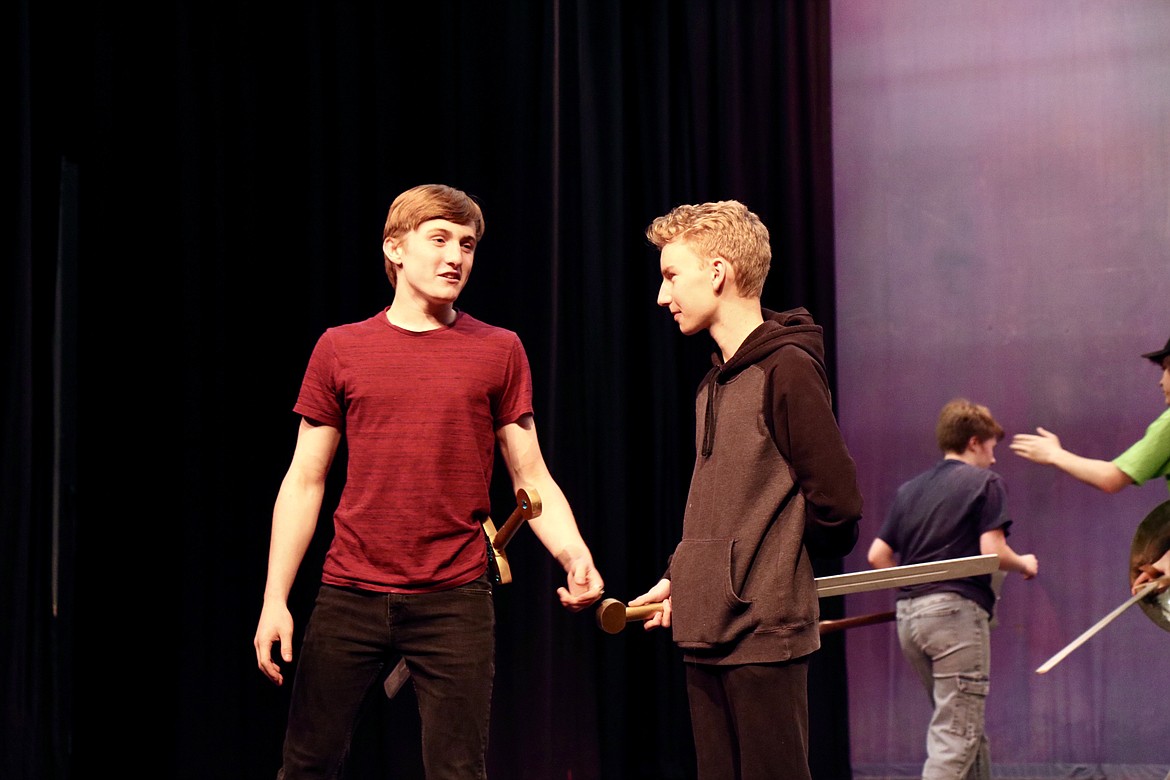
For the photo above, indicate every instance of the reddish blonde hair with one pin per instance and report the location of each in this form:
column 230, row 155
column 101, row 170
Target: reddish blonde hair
column 424, row 202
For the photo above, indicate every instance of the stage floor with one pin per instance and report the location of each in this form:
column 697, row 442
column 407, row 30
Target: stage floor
column 1031, row 772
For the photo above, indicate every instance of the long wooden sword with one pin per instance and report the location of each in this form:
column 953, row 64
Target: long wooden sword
column 613, row 615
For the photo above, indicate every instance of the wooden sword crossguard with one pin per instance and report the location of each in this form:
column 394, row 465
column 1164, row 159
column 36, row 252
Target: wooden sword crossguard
column 528, row 506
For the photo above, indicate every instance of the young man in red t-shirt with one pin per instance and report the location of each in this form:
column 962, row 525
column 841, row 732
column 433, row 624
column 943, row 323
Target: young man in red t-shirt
column 422, row 394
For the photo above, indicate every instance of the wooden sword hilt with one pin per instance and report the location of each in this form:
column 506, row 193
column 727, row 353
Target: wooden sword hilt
column 527, row 507
column 612, row 615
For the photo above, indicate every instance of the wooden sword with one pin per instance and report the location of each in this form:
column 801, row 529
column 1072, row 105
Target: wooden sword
column 528, row 506
column 613, row 615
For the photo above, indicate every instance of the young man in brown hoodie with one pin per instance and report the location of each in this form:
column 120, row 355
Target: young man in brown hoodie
column 772, row 476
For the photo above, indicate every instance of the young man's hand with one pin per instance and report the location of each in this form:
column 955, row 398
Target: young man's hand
column 275, row 628
column 1149, row 572
column 659, row 593
column 585, row 585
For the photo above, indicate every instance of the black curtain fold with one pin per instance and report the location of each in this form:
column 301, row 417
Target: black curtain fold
column 234, row 166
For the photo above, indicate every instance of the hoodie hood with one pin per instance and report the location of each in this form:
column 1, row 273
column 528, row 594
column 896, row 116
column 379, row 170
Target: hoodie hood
column 794, row 327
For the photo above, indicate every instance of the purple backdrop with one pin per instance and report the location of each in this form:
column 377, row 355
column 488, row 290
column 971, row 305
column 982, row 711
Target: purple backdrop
column 1003, row 233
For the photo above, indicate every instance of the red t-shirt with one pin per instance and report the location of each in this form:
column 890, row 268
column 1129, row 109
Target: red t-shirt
column 419, row 413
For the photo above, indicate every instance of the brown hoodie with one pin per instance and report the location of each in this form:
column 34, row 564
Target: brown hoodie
column 770, row 461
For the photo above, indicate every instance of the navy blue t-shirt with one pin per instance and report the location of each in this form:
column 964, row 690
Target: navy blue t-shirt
column 941, row 514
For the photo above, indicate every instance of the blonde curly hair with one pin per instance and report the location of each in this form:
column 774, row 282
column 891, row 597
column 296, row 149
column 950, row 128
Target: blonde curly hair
column 726, row 229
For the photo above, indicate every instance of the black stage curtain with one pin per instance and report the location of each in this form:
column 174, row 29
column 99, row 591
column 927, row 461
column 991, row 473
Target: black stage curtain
column 202, row 191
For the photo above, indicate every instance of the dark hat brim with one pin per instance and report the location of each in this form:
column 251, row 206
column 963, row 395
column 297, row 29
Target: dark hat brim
column 1159, row 355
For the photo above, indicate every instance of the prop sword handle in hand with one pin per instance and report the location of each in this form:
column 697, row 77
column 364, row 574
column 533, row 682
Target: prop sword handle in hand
column 612, row 615
column 528, row 506
column 1149, row 588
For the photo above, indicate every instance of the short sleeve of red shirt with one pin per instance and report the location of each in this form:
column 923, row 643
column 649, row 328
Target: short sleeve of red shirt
column 419, row 413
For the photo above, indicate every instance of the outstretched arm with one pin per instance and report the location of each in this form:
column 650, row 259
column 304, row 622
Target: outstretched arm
column 294, row 519
column 1044, row 447
column 995, row 541
column 555, row 527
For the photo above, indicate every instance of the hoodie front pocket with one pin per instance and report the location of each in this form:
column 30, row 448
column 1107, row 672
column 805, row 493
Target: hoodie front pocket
column 706, row 610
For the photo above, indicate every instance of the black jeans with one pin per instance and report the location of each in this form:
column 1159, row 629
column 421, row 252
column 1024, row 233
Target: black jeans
column 750, row 722
column 353, row 638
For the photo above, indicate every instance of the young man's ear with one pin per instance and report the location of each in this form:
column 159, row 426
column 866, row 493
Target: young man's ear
column 391, row 250
column 719, row 269
column 973, row 444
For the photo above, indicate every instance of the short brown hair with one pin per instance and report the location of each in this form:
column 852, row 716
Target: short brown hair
column 724, row 229
column 961, row 419
column 425, row 202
